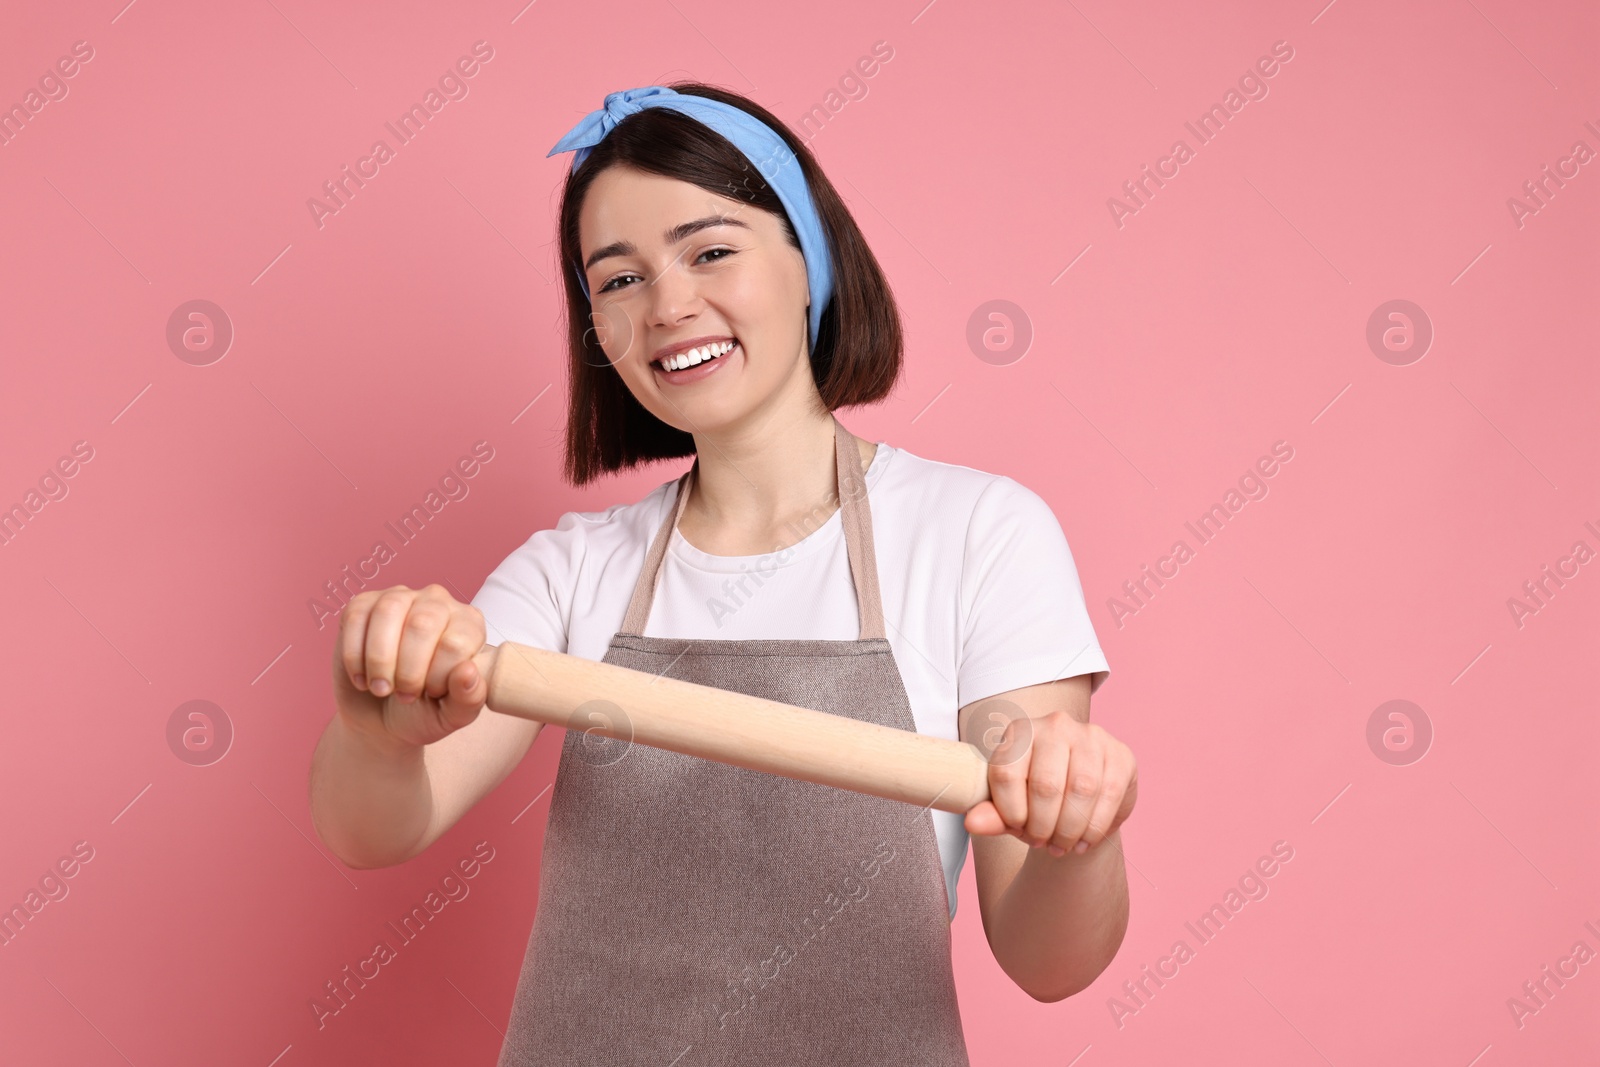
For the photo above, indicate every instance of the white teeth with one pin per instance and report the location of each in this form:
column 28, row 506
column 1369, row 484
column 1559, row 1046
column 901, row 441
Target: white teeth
column 696, row 355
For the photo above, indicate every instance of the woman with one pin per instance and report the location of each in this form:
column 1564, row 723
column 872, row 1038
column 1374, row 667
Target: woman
column 722, row 304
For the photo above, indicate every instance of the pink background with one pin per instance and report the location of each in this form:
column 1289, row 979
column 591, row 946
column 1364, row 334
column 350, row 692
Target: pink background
column 1168, row 354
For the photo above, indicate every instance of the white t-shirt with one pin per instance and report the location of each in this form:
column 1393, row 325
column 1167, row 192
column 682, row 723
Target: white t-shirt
column 980, row 592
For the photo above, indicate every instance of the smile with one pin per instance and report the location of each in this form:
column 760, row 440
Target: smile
column 695, row 356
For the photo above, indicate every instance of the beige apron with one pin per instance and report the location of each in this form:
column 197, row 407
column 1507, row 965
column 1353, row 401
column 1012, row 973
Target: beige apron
column 693, row 913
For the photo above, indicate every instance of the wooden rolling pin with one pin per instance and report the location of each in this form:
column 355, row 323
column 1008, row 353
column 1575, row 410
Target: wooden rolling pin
column 745, row 731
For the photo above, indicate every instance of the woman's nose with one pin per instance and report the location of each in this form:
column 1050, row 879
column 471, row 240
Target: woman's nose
column 672, row 295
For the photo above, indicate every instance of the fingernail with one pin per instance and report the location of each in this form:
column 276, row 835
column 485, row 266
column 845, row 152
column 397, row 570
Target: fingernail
column 407, row 698
column 380, row 688
column 1057, row 850
column 360, row 681
column 1081, row 846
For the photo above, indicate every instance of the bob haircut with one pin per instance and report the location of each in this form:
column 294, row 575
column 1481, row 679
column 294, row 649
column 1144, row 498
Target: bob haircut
column 857, row 357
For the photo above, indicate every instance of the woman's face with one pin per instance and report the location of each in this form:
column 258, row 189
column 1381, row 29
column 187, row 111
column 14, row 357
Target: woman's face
column 668, row 263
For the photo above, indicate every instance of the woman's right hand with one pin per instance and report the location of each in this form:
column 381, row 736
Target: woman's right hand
column 403, row 673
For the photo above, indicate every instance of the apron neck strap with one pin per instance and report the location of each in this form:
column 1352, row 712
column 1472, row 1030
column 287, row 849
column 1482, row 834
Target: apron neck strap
column 855, row 514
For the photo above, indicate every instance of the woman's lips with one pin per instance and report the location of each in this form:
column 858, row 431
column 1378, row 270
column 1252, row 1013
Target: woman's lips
column 700, row 370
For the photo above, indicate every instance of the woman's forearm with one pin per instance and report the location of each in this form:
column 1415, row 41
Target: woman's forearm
column 371, row 803
column 1062, row 919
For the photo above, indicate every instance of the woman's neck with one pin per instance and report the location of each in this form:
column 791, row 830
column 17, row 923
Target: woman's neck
column 765, row 488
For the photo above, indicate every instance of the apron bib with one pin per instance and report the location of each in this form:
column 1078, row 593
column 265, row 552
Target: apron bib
column 692, row 913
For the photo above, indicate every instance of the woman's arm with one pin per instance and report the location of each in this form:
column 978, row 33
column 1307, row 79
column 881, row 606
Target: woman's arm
column 1053, row 922
column 377, row 803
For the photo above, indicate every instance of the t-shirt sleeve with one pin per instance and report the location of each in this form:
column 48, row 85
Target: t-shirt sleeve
column 1024, row 617
column 528, row 597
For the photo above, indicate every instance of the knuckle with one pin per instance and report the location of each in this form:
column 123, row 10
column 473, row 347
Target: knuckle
column 388, row 607
column 1045, row 788
column 457, row 642
column 1085, row 785
column 1013, row 748
column 1006, row 772
column 426, row 618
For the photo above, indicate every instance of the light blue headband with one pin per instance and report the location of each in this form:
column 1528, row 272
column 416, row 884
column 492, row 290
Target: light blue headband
column 771, row 155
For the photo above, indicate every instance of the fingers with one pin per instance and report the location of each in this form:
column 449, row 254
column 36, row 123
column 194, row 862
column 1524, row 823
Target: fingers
column 1009, row 771
column 984, row 820
column 1083, row 779
column 1056, row 782
column 1047, row 772
column 466, row 689
column 406, row 641
column 419, row 636
column 463, row 636
column 431, row 613
column 1116, row 793
column 385, row 623
column 411, row 644
column 353, row 623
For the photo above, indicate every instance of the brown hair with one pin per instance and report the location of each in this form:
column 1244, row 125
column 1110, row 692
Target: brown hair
column 857, row 355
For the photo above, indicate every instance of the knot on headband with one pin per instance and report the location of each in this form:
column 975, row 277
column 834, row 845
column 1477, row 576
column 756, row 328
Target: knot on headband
column 595, row 125
column 757, row 141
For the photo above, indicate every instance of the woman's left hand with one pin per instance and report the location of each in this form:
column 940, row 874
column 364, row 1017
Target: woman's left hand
column 1058, row 783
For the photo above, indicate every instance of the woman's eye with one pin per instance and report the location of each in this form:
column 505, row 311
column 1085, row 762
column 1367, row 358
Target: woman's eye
column 612, row 284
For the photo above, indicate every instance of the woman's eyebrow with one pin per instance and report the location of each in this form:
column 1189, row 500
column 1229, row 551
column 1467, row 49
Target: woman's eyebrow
column 671, row 237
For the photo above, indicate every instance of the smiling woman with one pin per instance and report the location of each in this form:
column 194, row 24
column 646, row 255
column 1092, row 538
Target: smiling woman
column 724, row 224
column 722, row 305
